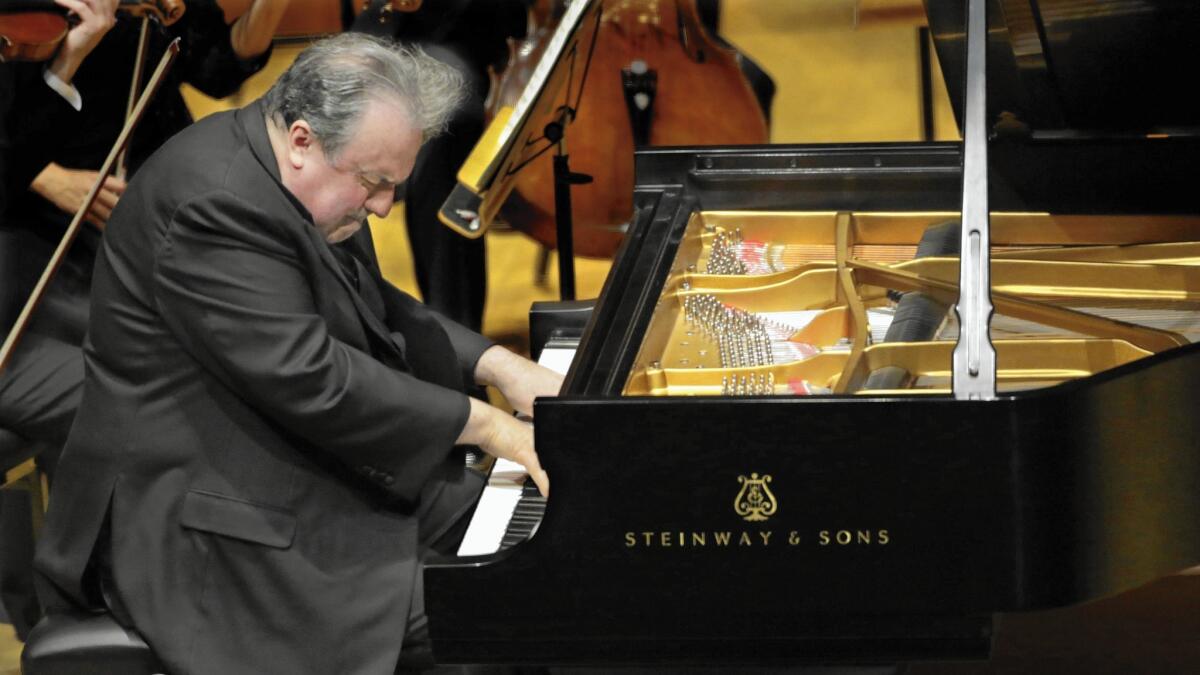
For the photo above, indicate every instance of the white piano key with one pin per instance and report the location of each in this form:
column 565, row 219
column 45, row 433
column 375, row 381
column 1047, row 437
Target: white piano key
column 503, row 490
column 495, row 508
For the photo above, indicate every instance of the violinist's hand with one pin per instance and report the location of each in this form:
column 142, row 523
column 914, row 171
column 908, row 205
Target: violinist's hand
column 518, row 378
column 68, row 188
column 96, row 17
column 505, row 437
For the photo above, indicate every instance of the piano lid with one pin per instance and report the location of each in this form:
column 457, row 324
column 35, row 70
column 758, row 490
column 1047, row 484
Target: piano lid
column 518, row 134
column 1079, row 67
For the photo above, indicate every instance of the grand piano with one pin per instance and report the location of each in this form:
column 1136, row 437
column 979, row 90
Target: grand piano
column 763, row 452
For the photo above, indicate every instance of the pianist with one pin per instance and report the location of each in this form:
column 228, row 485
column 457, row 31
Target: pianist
column 264, row 449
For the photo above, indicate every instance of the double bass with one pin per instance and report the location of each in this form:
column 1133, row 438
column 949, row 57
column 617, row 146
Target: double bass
column 656, row 78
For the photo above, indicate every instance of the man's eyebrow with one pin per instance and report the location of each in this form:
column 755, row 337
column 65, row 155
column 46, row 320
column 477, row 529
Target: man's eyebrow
column 382, row 177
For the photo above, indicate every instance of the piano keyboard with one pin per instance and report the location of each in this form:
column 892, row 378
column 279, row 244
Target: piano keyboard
column 530, row 508
column 510, row 507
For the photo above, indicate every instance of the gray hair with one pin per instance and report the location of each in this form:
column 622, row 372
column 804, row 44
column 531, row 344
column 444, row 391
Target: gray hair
column 331, row 82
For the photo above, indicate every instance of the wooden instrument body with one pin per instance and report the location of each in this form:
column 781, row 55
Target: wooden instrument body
column 305, row 19
column 701, row 98
column 31, row 30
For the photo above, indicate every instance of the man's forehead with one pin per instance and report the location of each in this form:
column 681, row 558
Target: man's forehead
column 381, row 150
column 388, row 111
column 381, row 126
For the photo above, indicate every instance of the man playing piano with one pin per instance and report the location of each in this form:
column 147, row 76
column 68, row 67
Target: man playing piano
column 264, row 450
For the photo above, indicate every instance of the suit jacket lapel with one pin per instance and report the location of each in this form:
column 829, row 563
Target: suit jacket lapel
column 253, row 121
column 426, row 348
column 373, row 324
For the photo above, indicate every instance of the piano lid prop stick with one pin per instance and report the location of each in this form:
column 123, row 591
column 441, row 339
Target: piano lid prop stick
column 974, row 356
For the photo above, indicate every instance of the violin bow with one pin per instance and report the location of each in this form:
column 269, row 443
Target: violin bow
column 139, row 65
column 64, row 244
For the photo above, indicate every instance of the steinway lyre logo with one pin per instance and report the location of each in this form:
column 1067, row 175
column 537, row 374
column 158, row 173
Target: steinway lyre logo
column 755, row 502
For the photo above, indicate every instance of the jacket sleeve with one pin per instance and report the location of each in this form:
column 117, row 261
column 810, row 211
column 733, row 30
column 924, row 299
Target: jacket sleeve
column 468, row 345
column 34, row 117
column 239, row 302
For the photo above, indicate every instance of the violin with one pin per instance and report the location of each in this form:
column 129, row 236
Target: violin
column 31, row 30
column 64, row 244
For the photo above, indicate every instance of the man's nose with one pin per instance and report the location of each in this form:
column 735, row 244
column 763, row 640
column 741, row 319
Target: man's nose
column 380, row 204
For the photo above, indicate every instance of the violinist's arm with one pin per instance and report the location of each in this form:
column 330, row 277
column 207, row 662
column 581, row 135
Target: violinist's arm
column 68, row 190
column 96, row 17
column 252, row 32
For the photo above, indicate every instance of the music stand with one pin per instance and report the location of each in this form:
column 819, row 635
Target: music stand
column 518, row 135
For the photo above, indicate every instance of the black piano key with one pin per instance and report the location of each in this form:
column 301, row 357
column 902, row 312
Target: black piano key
column 526, row 516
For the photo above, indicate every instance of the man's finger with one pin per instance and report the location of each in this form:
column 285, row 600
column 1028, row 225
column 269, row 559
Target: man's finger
column 73, row 5
column 542, row 480
column 105, row 202
column 115, row 185
column 100, row 212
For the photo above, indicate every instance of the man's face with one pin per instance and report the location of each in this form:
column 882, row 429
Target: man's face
column 340, row 191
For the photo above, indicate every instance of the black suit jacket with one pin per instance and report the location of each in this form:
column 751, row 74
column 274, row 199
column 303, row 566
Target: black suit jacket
column 271, row 435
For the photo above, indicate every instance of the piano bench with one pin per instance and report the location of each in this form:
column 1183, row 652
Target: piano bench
column 86, row 644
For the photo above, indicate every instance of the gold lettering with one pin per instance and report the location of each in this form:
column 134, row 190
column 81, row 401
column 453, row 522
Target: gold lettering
column 666, row 539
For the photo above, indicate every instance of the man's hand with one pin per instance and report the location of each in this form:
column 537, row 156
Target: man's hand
column 96, row 17
column 518, row 379
column 68, row 188
column 505, row 437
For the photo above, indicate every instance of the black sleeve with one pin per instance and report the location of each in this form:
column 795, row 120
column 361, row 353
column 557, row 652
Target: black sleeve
column 32, row 119
column 467, row 344
column 6, row 95
column 239, row 303
column 209, row 62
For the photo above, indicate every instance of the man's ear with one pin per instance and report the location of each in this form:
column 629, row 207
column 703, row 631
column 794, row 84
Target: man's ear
column 302, row 143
